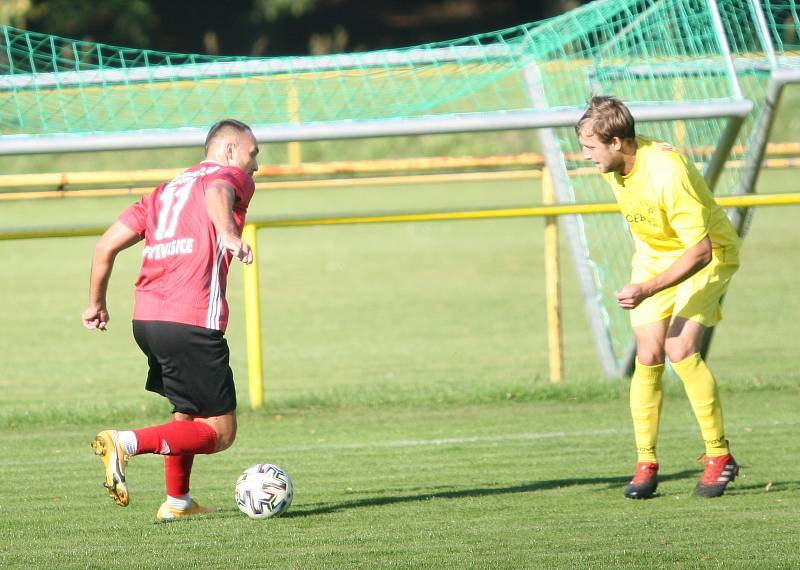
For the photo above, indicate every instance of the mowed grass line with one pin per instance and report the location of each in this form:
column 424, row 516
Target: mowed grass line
column 511, row 485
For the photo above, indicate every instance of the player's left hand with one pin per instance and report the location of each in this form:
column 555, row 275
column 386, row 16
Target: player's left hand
column 630, row 296
column 239, row 248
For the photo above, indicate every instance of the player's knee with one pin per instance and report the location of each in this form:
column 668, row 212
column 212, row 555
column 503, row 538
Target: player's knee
column 225, row 437
column 679, row 349
column 650, row 356
column 225, row 431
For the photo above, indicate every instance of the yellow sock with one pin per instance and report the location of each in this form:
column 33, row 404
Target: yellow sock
column 646, row 409
column 701, row 388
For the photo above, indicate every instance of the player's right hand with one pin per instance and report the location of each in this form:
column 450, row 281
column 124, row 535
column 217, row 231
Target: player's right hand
column 95, row 318
column 630, row 296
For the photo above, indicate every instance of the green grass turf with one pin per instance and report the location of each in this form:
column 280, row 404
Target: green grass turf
column 505, row 485
column 405, row 376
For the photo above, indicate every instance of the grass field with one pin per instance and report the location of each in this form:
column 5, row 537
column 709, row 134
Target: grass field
column 497, row 485
column 407, row 396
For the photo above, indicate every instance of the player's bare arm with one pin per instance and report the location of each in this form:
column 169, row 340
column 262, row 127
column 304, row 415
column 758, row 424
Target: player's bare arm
column 220, row 197
column 692, row 261
column 115, row 239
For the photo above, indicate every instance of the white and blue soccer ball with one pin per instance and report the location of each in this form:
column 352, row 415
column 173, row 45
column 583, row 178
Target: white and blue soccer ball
column 264, row 491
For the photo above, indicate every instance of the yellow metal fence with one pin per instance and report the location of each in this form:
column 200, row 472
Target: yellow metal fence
column 421, row 170
column 251, row 272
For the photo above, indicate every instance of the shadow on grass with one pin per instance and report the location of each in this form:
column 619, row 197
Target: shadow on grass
column 740, row 487
column 615, row 483
column 609, row 482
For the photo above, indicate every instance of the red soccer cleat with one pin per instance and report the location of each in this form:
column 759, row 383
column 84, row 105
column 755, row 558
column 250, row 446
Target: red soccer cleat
column 644, row 481
column 718, row 473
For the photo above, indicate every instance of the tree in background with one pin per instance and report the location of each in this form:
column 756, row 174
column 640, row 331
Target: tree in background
column 129, row 22
column 13, row 12
column 273, row 27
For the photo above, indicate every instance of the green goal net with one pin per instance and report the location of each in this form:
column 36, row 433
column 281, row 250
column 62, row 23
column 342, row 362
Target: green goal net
column 56, row 85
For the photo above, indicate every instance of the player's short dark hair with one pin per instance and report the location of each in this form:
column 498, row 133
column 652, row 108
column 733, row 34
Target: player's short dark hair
column 220, row 127
column 610, row 118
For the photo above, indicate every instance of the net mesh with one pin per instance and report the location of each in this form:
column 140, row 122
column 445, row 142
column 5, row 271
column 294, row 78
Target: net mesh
column 56, row 85
column 643, row 51
column 670, row 51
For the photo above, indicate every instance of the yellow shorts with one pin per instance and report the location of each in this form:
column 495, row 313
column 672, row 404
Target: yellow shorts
column 696, row 299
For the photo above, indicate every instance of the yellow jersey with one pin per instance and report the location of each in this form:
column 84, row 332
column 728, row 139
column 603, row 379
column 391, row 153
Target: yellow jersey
column 667, row 204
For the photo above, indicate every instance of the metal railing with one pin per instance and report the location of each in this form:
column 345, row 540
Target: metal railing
column 251, row 272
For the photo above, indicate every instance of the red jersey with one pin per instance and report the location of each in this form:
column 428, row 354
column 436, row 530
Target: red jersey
column 184, row 265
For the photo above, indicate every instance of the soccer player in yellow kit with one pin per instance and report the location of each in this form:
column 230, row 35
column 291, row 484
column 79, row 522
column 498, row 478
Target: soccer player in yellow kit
column 686, row 252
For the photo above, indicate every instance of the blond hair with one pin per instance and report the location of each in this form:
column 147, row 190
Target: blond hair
column 610, row 118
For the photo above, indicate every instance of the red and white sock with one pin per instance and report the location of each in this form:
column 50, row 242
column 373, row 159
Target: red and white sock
column 176, row 438
column 180, row 503
column 129, row 442
column 177, row 470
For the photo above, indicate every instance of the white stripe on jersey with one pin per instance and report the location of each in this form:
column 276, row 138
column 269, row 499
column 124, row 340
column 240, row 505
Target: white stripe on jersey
column 214, row 291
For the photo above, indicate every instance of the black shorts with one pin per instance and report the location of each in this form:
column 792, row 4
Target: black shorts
column 188, row 366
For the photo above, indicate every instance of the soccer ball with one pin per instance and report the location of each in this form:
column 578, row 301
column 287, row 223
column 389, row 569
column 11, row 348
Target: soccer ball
column 263, row 491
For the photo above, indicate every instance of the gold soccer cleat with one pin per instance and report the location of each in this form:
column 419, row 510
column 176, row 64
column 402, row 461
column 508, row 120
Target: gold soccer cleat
column 106, row 444
column 166, row 512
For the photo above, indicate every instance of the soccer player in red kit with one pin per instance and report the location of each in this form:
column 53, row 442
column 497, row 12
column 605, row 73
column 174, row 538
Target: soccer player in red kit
column 191, row 227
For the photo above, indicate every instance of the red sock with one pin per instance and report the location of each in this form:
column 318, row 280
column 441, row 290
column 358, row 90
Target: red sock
column 176, row 438
column 177, row 469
